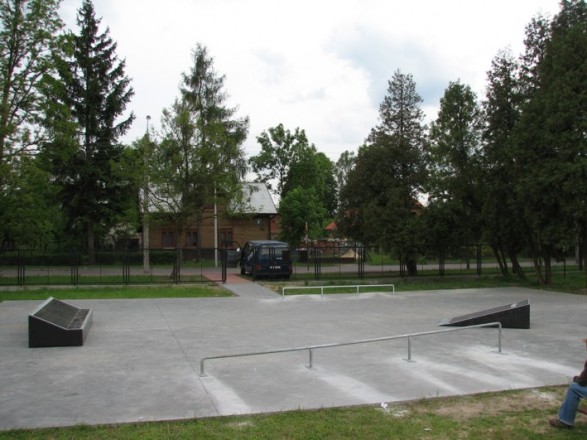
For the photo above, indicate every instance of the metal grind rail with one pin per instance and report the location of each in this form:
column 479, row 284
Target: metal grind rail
column 357, row 288
column 311, row 348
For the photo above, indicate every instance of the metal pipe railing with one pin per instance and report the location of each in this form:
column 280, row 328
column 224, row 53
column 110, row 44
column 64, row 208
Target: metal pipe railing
column 357, row 288
column 311, row 348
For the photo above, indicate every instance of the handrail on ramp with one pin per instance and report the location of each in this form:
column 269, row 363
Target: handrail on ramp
column 311, row 348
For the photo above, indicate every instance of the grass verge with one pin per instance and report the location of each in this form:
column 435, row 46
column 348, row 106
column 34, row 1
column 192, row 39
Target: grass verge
column 120, row 292
column 519, row 415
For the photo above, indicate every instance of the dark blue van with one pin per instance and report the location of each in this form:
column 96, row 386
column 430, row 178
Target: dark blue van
column 266, row 258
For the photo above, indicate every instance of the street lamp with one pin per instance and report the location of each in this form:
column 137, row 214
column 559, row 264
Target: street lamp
column 147, row 146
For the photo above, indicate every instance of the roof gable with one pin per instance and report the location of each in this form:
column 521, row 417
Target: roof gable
column 256, row 200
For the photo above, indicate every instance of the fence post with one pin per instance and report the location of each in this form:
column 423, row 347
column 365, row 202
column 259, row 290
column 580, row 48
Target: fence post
column 224, row 264
column 74, row 268
column 125, row 267
column 20, row 277
column 361, row 261
column 317, row 263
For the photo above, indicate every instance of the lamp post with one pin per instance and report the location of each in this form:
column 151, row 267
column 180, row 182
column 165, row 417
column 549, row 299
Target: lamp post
column 147, row 146
column 215, row 229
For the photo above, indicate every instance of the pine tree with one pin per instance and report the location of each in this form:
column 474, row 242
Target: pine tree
column 552, row 148
column 379, row 200
column 503, row 219
column 90, row 92
column 199, row 161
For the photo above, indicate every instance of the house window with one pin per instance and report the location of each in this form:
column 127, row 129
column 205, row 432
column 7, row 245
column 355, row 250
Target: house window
column 191, row 239
column 225, row 238
column 168, row 239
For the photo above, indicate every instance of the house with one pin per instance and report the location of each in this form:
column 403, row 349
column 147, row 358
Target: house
column 254, row 218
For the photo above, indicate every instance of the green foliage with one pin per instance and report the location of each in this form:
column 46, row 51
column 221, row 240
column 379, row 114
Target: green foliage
column 498, row 184
column 28, row 218
column 199, row 160
column 302, row 215
column 378, row 204
column 88, row 95
column 314, row 171
column 454, row 164
column 280, row 149
column 28, row 32
column 551, row 145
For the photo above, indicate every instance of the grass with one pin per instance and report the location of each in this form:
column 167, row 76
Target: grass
column 570, row 282
column 120, row 292
column 519, row 415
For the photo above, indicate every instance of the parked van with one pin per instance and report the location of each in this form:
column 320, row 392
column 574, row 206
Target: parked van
column 266, row 258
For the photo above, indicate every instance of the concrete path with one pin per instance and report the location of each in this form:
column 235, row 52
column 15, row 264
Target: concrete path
column 141, row 360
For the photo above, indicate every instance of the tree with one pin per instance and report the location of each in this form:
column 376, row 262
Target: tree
column 313, row 170
column 379, row 202
column 200, row 160
column 454, row 166
column 280, row 148
column 302, row 215
column 28, row 31
column 343, row 167
column 28, row 216
column 552, row 145
column 503, row 221
column 87, row 97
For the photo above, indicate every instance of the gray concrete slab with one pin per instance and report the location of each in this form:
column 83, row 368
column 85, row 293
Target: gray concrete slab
column 141, row 359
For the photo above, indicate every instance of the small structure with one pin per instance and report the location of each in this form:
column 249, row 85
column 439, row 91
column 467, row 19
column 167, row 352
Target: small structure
column 516, row 315
column 57, row 324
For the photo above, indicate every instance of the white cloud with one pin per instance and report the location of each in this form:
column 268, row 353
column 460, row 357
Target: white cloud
column 320, row 65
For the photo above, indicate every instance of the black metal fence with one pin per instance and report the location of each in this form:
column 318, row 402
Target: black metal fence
column 58, row 267
column 164, row 266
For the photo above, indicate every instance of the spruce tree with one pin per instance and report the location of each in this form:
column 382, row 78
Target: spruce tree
column 380, row 198
column 503, row 218
column 88, row 96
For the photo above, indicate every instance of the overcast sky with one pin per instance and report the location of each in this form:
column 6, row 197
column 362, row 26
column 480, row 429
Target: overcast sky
column 321, row 65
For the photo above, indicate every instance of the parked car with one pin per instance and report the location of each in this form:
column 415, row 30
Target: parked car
column 266, row 258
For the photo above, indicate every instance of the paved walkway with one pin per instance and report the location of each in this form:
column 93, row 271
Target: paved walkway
column 142, row 358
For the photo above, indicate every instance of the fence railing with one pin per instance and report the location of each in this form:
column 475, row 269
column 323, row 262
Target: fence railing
column 190, row 265
column 61, row 267
column 312, row 348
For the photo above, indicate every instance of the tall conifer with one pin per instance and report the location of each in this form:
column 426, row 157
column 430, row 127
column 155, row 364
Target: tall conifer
column 92, row 91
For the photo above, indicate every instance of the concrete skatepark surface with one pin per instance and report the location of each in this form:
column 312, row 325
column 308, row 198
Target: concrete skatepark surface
column 141, row 359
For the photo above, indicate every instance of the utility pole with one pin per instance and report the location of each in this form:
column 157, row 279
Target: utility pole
column 147, row 148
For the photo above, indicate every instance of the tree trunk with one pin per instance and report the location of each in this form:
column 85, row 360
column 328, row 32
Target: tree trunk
column 536, row 261
column 547, row 269
column 502, row 263
column 179, row 240
column 516, row 268
column 584, row 253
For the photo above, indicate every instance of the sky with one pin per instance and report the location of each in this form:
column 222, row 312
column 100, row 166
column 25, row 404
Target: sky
column 320, row 65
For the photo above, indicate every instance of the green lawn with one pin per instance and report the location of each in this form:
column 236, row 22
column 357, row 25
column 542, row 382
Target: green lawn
column 120, row 292
column 510, row 415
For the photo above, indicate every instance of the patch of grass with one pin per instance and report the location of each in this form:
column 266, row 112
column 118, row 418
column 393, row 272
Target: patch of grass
column 519, row 415
column 569, row 281
column 120, row 292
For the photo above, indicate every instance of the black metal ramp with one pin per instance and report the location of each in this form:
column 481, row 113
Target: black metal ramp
column 57, row 324
column 516, row 315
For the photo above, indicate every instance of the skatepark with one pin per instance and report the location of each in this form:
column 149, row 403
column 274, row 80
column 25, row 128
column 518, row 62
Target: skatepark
column 141, row 360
